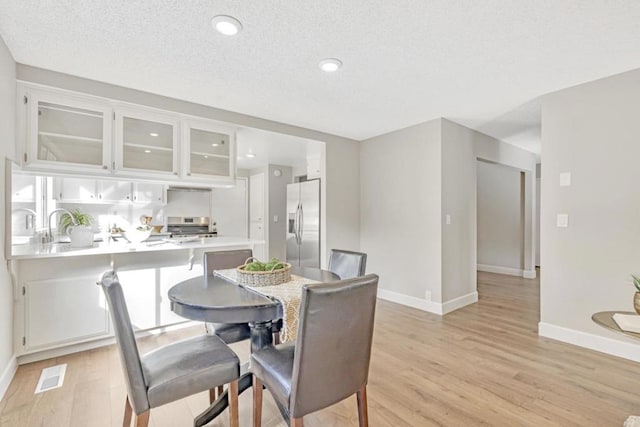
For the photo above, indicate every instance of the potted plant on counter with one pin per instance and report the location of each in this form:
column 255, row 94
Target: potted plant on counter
column 80, row 218
column 80, row 232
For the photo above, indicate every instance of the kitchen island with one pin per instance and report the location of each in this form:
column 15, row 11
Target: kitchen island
column 58, row 308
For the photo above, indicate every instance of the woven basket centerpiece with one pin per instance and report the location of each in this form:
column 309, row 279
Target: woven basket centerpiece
column 263, row 278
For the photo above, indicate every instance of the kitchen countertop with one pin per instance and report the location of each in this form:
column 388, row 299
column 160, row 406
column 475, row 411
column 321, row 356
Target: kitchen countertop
column 53, row 250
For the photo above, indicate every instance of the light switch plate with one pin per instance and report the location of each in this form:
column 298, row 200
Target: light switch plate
column 563, row 220
column 448, row 219
column 275, row 218
column 565, row 179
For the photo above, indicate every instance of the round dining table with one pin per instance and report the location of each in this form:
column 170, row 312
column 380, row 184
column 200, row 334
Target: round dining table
column 215, row 299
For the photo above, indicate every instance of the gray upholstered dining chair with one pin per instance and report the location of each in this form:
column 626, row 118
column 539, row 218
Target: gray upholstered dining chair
column 171, row 372
column 222, row 260
column 347, row 264
column 330, row 359
column 227, row 332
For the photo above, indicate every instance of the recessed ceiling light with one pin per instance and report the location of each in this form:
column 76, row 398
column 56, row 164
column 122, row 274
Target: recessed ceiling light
column 330, row 65
column 214, row 144
column 227, row 25
column 147, row 151
column 206, row 157
column 251, row 155
column 153, row 134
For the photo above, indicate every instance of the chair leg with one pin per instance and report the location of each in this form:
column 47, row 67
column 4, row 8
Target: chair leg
column 142, row 420
column 126, row 422
column 220, row 390
column 212, row 395
column 276, row 338
column 363, row 416
column 233, row 404
column 257, row 402
column 296, row 422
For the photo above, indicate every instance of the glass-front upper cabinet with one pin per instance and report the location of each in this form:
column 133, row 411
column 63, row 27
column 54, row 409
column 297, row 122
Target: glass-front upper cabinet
column 146, row 143
column 209, row 151
column 67, row 132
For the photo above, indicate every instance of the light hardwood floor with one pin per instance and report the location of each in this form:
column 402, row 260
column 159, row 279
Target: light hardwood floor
column 481, row 365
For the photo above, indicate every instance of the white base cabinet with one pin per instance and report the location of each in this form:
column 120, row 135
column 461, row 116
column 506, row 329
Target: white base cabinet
column 48, row 323
column 59, row 305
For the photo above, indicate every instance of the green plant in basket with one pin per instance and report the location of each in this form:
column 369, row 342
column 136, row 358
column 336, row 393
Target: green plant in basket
column 80, row 218
column 636, row 282
column 273, row 264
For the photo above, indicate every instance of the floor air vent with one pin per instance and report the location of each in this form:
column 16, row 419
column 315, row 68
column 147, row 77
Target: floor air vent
column 51, row 378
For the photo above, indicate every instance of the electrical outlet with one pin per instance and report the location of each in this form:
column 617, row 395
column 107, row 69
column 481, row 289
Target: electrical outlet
column 427, row 295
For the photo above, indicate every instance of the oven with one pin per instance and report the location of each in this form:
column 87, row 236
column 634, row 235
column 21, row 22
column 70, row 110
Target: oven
column 189, row 226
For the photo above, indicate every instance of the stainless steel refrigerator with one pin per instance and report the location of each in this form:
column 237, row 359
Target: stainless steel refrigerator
column 303, row 224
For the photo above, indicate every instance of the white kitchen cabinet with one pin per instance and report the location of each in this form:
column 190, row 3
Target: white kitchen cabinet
column 146, row 143
column 144, row 192
column 75, row 190
column 60, row 311
column 208, row 151
column 23, row 188
column 65, row 132
column 139, row 288
column 89, row 190
column 114, row 191
column 145, row 281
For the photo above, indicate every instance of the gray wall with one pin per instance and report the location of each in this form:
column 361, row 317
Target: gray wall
column 458, row 200
column 340, row 188
column 400, row 198
column 499, row 216
column 7, row 144
column 593, row 132
column 410, row 180
column 277, row 194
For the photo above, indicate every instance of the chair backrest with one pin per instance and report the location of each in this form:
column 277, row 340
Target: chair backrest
column 223, row 260
column 347, row 264
column 333, row 347
column 129, row 356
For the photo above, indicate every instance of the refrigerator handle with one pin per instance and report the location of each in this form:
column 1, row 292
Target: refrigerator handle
column 298, row 221
column 301, row 222
column 295, row 224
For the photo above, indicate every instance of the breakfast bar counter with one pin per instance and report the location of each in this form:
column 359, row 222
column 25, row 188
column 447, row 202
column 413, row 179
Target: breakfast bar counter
column 53, row 250
column 58, row 308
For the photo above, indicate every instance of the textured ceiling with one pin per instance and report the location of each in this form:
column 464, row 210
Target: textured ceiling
column 405, row 61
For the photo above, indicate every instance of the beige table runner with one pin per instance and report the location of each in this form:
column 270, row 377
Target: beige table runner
column 288, row 294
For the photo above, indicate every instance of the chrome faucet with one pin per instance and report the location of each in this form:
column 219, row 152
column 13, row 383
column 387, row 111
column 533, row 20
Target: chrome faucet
column 30, row 217
column 73, row 220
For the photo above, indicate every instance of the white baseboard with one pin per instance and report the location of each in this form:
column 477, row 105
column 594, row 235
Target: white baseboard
column 456, row 303
column 527, row 274
column 7, row 376
column 419, row 303
column 599, row 343
column 430, row 306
